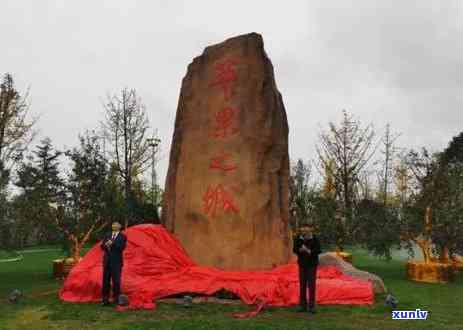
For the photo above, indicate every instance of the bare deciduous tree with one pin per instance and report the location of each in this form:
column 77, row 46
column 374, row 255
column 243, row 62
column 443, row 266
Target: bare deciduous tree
column 349, row 148
column 328, row 186
column 402, row 177
column 126, row 129
column 16, row 128
column 365, row 186
column 386, row 173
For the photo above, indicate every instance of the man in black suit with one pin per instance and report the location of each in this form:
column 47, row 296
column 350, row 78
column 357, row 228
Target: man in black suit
column 113, row 246
column 307, row 247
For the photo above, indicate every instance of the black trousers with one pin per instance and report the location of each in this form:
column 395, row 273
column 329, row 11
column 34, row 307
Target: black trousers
column 307, row 279
column 113, row 273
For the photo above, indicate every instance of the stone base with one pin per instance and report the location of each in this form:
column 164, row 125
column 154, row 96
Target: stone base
column 333, row 259
column 432, row 272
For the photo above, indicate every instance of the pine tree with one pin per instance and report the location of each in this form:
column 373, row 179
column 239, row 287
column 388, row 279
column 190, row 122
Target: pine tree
column 300, row 193
column 42, row 188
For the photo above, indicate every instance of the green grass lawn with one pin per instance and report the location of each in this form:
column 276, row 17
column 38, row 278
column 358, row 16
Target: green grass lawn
column 6, row 255
column 41, row 308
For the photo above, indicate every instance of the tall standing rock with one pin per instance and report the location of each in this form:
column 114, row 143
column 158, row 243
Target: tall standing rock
column 226, row 192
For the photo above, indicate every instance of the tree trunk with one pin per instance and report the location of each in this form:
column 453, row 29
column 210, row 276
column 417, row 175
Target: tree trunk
column 428, row 221
column 76, row 248
column 128, row 201
column 425, row 244
column 445, row 255
column 425, row 249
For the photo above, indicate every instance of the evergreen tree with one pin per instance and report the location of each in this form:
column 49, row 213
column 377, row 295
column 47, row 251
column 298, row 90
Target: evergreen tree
column 300, row 200
column 4, row 207
column 41, row 189
column 85, row 210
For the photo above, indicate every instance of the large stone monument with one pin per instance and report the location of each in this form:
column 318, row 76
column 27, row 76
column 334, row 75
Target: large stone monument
column 226, row 192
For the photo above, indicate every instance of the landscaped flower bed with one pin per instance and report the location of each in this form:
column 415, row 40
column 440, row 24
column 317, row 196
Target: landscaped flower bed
column 431, row 272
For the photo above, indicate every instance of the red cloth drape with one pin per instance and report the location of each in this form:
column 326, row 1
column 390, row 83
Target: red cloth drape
column 157, row 266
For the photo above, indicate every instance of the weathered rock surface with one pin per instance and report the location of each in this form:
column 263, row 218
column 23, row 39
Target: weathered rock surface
column 226, row 192
column 331, row 259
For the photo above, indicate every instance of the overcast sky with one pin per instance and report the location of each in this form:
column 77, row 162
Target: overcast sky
column 384, row 61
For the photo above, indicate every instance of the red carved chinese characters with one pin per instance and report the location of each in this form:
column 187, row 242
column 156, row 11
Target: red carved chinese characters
column 224, row 123
column 225, row 75
column 218, row 198
column 222, row 162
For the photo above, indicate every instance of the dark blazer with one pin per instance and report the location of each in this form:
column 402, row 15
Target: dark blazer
column 304, row 259
column 113, row 255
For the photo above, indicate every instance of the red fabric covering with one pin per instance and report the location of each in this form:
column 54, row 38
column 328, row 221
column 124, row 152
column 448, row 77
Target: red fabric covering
column 156, row 266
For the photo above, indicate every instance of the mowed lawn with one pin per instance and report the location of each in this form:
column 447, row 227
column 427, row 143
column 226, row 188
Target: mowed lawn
column 41, row 308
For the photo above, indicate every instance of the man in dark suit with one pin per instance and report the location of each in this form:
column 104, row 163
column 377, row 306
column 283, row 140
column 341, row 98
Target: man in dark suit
column 113, row 246
column 307, row 247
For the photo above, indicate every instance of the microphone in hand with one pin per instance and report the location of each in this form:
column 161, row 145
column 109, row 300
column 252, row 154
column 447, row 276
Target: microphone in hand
column 108, row 243
column 304, row 249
